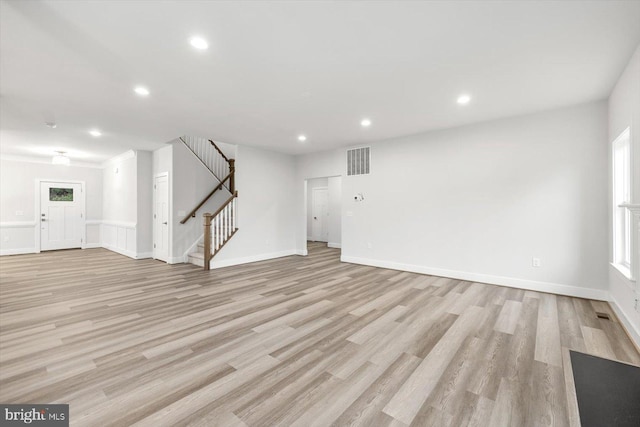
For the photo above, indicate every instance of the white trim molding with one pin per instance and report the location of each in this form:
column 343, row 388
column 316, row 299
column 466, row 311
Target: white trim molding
column 634, row 268
column 334, row 245
column 47, row 161
column 119, row 158
column 254, row 258
column 532, row 285
column 18, row 224
column 632, row 330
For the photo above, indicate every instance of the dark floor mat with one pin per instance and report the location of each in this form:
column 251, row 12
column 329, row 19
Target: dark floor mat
column 608, row 392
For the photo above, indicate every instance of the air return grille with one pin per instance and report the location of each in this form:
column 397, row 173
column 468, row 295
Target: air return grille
column 359, row 161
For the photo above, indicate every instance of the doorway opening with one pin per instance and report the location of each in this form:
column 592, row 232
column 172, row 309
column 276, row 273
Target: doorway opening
column 324, row 212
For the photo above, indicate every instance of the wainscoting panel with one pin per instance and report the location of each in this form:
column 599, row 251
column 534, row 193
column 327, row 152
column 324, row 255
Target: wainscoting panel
column 119, row 237
column 17, row 237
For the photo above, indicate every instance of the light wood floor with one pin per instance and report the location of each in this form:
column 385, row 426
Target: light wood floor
column 295, row 341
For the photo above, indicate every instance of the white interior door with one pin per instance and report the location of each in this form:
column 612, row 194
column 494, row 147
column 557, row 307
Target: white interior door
column 320, row 213
column 61, row 215
column 161, row 218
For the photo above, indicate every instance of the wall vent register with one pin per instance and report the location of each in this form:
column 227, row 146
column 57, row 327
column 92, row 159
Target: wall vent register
column 359, row 161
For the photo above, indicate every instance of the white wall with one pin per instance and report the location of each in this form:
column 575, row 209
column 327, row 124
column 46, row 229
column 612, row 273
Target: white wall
column 335, row 212
column 144, row 213
column 127, row 226
column 120, row 194
column 18, row 194
column 265, row 181
column 311, row 184
column 478, row 202
column 624, row 111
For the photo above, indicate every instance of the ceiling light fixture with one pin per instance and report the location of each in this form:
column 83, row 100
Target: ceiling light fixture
column 365, row 123
column 141, row 90
column 464, row 99
column 60, row 159
column 302, row 138
column 199, row 43
column 95, row 132
column 52, row 125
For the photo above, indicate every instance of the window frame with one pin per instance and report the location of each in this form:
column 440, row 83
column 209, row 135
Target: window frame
column 621, row 174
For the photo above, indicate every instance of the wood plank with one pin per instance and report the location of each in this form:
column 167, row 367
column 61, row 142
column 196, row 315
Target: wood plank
column 295, row 340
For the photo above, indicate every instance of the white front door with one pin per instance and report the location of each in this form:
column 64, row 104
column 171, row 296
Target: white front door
column 161, row 218
column 320, row 212
column 61, row 215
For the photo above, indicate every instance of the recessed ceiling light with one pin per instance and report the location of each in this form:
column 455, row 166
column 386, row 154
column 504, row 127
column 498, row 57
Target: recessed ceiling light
column 141, row 90
column 52, row 125
column 95, row 132
column 199, row 43
column 365, row 123
column 464, row 99
column 302, row 138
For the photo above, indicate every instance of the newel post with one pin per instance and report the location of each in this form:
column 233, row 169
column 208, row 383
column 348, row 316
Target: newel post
column 232, row 179
column 207, row 240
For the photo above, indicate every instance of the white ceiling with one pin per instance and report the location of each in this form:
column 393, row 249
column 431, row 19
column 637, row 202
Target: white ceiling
column 276, row 69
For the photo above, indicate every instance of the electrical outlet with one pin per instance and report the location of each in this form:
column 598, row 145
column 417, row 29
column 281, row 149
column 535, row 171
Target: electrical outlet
column 19, row 213
column 369, row 245
column 535, row 262
column 6, row 239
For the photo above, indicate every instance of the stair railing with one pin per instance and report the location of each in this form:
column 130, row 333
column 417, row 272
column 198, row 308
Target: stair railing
column 219, row 227
column 211, row 157
column 218, row 164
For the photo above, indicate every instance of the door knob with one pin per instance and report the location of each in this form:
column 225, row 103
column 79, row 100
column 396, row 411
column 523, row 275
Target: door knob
column 165, row 223
column 315, row 217
column 43, row 219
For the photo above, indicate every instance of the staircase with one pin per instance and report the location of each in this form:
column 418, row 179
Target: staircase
column 220, row 226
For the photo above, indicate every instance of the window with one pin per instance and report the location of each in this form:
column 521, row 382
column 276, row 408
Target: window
column 61, row 194
column 621, row 196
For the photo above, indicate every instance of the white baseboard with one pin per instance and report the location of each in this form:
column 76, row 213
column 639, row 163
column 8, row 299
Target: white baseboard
column 334, row 245
column 144, row 255
column 124, row 252
column 176, row 260
column 302, row 252
column 20, row 251
column 553, row 288
column 91, row 245
column 254, row 258
column 130, row 254
column 632, row 330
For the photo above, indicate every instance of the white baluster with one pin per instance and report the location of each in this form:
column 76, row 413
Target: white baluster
column 218, row 228
column 214, row 241
column 233, row 215
column 226, row 222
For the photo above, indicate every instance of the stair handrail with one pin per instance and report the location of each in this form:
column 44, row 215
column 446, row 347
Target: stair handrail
column 219, row 150
column 207, row 230
column 213, row 162
column 192, row 214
